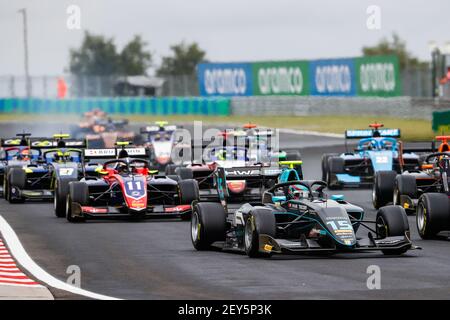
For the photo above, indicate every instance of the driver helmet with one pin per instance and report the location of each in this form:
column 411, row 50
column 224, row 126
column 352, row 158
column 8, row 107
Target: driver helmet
column 298, row 191
column 24, row 154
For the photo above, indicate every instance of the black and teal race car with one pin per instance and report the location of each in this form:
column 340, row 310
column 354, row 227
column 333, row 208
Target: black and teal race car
column 296, row 217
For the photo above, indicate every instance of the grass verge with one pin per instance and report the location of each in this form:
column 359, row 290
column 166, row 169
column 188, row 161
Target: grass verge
column 411, row 129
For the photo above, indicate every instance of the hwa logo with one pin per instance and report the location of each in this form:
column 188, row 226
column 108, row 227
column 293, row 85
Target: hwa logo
column 243, row 172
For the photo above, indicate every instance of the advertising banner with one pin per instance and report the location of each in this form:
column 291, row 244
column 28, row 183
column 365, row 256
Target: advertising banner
column 334, row 77
column 281, row 78
column 378, row 76
column 225, row 79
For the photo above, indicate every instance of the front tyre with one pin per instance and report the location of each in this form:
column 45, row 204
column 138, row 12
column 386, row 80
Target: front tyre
column 78, row 194
column 432, row 214
column 60, row 197
column 208, row 224
column 392, row 221
column 260, row 221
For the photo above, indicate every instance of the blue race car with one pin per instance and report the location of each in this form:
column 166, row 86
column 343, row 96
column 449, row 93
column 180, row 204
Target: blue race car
column 377, row 153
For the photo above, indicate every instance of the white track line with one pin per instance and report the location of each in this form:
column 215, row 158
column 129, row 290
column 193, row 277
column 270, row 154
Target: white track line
column 27, row 263
column 313, row 133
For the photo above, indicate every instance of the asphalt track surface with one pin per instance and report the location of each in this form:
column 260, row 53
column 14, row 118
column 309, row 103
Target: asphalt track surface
column 154, row 259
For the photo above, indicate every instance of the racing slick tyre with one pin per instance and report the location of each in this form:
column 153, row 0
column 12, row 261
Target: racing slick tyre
column 433, row 214
column 392, row 221
column 16, row 179
column 170, row 169
column 184, row 173
column 60, row 197
column 189, row 192
column 78, row 193
column 208, row 224
column 383, row 188
column 174, row 177
column 405, row 185
column 335, row 166
column 260, row 221
column 325, row 158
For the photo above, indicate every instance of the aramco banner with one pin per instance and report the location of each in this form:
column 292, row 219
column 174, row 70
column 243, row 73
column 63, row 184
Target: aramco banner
column 225, row 79
column 280, row 78
column 364, row 76
column 378, row 76
column 334, row 77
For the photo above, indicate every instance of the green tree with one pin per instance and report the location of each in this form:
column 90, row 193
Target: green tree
column 96, row 56
column 395, row 46
column 134, row 59
column 183, row 60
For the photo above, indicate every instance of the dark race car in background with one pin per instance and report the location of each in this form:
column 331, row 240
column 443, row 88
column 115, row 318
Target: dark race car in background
column 405, row 188
column 247, row 177
column 106, row 132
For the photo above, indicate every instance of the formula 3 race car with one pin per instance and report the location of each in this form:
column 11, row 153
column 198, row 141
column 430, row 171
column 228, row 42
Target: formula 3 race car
column 246, row 178
column 296, row 217
column 378, row 150
column 35, row 177
column 106, row 132
column 128, row 189
column 160, row 139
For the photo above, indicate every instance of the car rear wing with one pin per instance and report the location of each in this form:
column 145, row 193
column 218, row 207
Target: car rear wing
column 155, row 129
column 369, row 133
column 113, row 153
column 420, row 149
column 11, row 142
column 40, row 143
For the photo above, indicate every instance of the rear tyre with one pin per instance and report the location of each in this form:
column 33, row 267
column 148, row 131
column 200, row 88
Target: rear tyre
column 383, row 188
column 208, row 224
column 60, row 197
column 432, row 214
column 170, row 169
column 405, row 185
column 188, row 190
column 392, row 221
column 325, row 167
column 17, row 179
column 335, row 166
column 78, row 193
column 260, row 221
column 184, row 173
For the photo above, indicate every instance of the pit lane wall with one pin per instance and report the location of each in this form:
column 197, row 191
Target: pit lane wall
column 145, row 106
column 376, row 76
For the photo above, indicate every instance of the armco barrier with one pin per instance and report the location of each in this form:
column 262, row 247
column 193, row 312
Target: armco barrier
column 398, row 107
column 145, row 106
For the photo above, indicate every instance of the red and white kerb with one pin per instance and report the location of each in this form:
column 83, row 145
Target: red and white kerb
column 10, row 274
